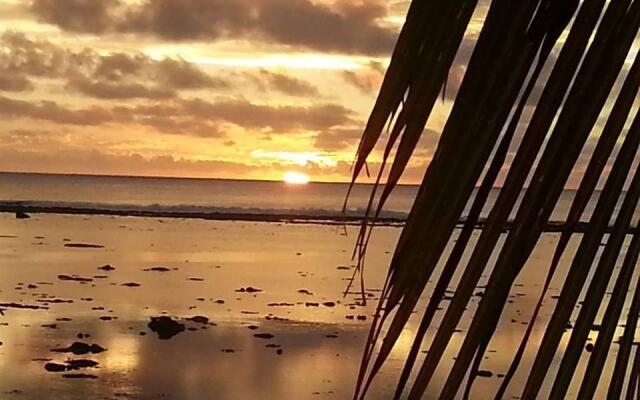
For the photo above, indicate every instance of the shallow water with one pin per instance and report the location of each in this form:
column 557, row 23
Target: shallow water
column 209, row 261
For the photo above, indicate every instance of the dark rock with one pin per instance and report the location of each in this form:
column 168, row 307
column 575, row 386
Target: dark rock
column 263, row 335
column 199, row 319
column 157, row 269
column 84, row 245
column 131, row 284
column 54, row 367
column 329, row 304
column 80, row 348
column 165, row 327
column 75, row 278
column 80, row 364
column 227, row 350
column 22, row 215
column 484, row 373
column 106, row 267
column 305, row 291
column 79, row 376
column 249, row 289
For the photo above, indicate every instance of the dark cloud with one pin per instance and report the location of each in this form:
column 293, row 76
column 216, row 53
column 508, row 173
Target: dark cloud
column 279, row 118
column 367, row 80
column 337, row 139
column 342, row 27
column 110, row 76
column 53, row 112
column 15, row 83
column 195, row 117
column 117, row 90
column 117, row 66
column 20, row 55
column 179, row 74
column 90, row 16
column 68, row 159
column 267, row 80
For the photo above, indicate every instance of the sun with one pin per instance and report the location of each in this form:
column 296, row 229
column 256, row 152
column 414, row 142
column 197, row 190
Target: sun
column 295, row 178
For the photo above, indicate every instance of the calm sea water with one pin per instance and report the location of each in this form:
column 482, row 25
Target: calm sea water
column 211, row 195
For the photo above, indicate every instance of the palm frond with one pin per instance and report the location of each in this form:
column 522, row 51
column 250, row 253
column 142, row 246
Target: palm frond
column 513, row 48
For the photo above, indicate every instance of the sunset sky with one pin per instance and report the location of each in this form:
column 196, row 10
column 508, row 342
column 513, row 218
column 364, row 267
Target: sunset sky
column 201, row 88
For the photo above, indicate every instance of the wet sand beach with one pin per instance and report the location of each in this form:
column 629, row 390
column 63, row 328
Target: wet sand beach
column 242, row 310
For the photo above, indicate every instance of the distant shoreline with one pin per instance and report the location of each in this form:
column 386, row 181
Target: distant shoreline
column 552, row 226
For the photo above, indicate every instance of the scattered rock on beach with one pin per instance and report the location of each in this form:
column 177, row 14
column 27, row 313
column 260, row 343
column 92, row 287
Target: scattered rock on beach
column 157, row 269
column 248, row 289
column 227, row 350
column 75, row 278
column 263, row 335
column 70, row 365
column 4, row 306
column 84, row 245
column 199, row 319
column 165, row 327
column 80, row 364
column 55, row 367
column 22, row 215
column 79, row 376
column 80, row 348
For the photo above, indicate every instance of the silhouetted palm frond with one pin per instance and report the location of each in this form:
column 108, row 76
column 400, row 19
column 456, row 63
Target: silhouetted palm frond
column 575, row 52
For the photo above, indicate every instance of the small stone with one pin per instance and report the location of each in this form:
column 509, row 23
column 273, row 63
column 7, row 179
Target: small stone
column 263, row 335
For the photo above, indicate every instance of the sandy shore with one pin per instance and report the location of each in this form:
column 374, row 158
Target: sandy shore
column 293, row 337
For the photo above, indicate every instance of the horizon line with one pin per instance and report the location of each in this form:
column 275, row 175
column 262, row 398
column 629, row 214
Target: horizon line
column 80, row 174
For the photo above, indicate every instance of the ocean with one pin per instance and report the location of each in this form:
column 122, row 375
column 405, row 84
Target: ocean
column 206, row 197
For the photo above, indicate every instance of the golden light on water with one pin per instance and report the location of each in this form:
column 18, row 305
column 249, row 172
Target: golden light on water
column 296, row 178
